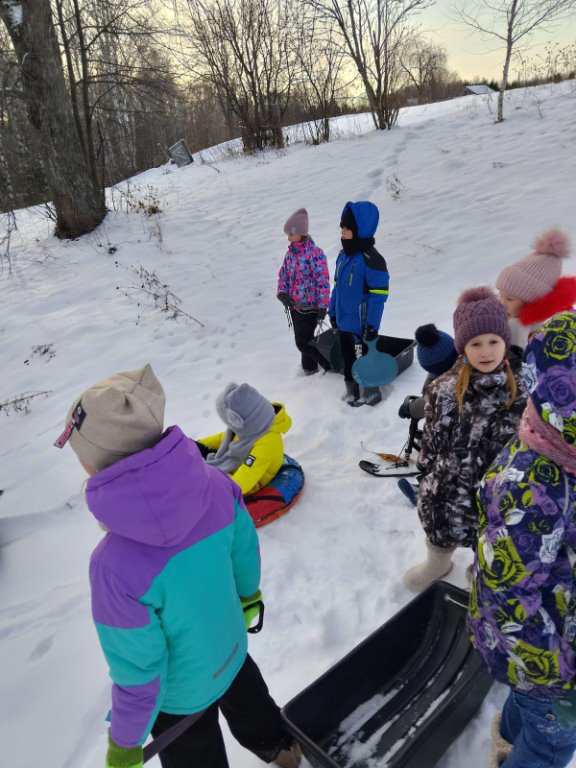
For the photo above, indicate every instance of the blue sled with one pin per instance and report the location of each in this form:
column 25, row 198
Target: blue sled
column 374, row 369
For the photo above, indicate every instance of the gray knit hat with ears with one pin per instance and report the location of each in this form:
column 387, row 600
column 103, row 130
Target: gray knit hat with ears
column 117, row 417
column 244, row 409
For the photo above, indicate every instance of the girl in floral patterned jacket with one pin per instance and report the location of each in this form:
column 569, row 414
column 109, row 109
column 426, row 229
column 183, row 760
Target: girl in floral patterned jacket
column 470, row 413
column 304, row 288
column 522, row 609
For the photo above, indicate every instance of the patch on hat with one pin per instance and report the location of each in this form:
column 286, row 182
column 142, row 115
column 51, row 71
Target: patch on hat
column 76, row 419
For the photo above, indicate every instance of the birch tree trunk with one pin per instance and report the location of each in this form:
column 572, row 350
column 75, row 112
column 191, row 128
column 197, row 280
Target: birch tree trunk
column 75, row 190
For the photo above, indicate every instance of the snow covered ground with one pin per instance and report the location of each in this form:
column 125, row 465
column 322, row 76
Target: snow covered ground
column 459, row 197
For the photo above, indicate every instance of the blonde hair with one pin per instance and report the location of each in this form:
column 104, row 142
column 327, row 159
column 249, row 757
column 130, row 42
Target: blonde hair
column 463, row 380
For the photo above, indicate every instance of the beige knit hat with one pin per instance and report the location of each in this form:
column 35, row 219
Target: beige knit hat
column 115, row 418
column 536, row 275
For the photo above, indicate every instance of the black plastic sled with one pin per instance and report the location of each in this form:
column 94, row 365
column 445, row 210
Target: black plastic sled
column 399, row 698
column 328, row 344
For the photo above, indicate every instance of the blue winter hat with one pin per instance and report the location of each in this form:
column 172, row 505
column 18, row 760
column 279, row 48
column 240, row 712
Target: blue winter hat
column 435, row 349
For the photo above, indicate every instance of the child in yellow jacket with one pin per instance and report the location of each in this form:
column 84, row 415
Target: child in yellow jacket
column 251, row 450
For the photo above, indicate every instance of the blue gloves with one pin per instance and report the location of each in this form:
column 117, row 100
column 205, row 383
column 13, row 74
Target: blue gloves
column 253, row 608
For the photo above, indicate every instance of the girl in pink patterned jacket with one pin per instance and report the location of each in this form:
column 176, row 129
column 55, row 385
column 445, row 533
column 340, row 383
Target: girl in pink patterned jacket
column 304, row 288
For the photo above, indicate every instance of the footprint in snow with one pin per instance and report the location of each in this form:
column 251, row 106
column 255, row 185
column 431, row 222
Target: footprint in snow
column 41, row 648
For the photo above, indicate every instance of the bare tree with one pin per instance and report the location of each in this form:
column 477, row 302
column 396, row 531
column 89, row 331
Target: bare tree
column 512, row 22
column 424, row 64
column 321, row 61
column 114, row 68
column 75, row 191
column 242, row 47
column 373, row 33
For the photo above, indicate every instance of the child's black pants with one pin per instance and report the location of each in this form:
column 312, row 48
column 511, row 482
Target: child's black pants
column 304, row 330
column 253, row 718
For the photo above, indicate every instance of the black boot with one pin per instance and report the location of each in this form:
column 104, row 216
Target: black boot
column 369, row 396
column 352, row 393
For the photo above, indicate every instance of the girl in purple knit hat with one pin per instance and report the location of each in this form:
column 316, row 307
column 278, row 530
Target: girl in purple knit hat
column 304, row 288
column 174, row 583
column 470, row 413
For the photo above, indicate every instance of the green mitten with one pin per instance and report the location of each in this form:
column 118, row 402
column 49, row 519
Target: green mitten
column 253, row 608
column 123, row 757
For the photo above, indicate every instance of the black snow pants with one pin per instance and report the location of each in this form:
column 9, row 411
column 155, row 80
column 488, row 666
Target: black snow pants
column 304, row 324
column 253, row 718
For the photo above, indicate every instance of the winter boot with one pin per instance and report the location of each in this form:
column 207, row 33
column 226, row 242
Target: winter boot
column 289, row 758
column 500, row 749
column 352, row 393
column 409, row 490
column 369, row 396
column 438, row 563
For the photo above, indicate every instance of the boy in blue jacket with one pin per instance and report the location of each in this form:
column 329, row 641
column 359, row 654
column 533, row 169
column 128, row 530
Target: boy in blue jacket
column 361, row 282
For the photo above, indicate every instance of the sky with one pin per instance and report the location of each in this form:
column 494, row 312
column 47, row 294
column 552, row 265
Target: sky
column 459, row 197
column 474, row 58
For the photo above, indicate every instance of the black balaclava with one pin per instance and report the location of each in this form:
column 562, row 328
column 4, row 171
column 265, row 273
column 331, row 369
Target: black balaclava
column 357, row 244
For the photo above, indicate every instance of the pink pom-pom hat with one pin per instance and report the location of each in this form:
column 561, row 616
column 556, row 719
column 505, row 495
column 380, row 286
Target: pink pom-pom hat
column 536, row 275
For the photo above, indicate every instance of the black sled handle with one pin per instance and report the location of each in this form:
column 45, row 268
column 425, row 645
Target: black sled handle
column 166, row 738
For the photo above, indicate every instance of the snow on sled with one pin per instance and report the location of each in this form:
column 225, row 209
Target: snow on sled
column 275, row 499
column 399, row 698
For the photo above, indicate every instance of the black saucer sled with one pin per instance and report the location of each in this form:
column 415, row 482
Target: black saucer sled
column 399, row 698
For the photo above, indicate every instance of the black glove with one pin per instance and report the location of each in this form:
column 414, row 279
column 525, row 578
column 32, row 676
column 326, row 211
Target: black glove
column 404, row 410
column 253, row 608
column 286, row 300
column 370, row 334
column 321, row 313
column 333, row 322
column 204, row 450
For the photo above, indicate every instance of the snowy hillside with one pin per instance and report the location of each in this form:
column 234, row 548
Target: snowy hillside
column 459, row 198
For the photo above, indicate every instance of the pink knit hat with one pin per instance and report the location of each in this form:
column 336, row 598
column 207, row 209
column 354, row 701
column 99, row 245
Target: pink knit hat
column 536, row 275
column 478, row 312
column 297, row 224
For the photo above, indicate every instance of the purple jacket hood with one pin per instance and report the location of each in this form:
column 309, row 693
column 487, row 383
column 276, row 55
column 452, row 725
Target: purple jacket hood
column 155, row 496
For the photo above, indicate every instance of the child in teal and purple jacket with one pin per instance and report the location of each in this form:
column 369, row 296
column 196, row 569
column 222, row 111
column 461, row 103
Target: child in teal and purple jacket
column 169, row 580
